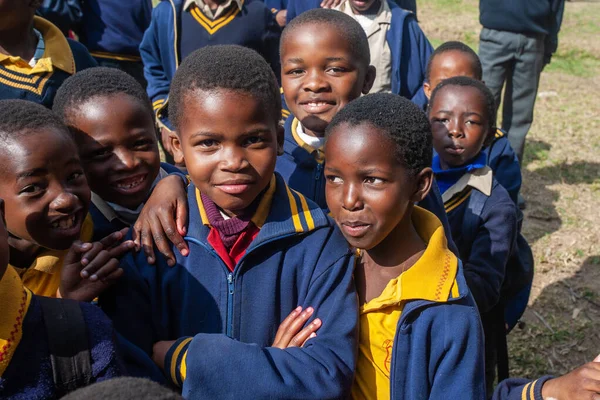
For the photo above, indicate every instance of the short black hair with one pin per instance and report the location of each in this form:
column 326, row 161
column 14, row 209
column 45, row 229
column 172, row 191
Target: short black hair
column 345, row 24
column 124, row 388
column 95, row 82
column 19, row 118
column 228, row 67
column 490, row 101
column 400, row 119
column 460, row 47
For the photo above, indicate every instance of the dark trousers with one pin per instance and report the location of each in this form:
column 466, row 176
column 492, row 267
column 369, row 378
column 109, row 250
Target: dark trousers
column 133, row 68
column 515, row 61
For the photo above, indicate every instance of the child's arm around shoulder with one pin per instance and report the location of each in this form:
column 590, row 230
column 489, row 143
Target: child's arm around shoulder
column 323, row 368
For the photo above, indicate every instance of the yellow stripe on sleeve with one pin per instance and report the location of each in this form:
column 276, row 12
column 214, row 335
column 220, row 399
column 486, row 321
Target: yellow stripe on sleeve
column 176, row 356
column 525, row 390
column 310, row 223
column 294, row 210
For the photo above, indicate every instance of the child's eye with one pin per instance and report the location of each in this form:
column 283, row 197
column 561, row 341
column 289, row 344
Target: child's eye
column 296, row 71
column 32, row 189
column 472, row 122
column 337, row 70
column 334, row 179
column 207, row 143
column 142, row 143
column 373, row 181
column 441, row 120
column 100, row 154
column 254, row 140
column 75, row 176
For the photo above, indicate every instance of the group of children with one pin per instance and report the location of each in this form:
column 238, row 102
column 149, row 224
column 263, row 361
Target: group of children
column 364, row 249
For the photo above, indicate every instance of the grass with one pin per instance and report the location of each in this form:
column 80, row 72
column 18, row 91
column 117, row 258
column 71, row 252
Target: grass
column 561, row 183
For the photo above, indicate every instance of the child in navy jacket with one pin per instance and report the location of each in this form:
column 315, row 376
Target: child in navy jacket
column 34, row 70
column 420, row 333
column 452, row 59
column 26, row 371
column 257, row 251
column 325, row 65
column 179, row 27
column 400, row 58
column 482, row 216
column 111, row 119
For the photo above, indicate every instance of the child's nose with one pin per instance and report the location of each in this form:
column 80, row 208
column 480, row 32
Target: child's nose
column 234, row 160
column 127, row 159
column 352, row 200
column 65, row 202
column 315, row 82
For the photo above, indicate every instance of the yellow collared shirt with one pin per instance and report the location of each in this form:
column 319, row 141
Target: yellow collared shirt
column 432, row 278
column 43, row 276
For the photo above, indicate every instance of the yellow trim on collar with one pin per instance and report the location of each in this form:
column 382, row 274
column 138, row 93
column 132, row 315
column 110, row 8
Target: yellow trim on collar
column 213, row 26
column 318, row 154
column 15, row 300
column 57, row 46
column 431, row 278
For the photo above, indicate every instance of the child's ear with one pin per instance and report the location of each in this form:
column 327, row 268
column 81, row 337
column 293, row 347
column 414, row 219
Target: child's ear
column 427, row 90
column 369, row 79
column 424, row 180
column 280, row 139
column 176, row 148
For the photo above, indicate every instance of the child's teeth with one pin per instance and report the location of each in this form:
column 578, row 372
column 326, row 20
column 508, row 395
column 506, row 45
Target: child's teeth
column 65, row 223
column 130, row 184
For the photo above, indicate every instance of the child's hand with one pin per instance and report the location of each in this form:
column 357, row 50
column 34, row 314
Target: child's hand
column 165, row 140
column 163, row 221
column 289, row 333
column 89, row 268
column 582, row 383
column 281, row 17
column 159, row 352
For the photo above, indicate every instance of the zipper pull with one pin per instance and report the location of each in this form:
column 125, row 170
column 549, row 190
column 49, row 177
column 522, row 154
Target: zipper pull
column 318, row 173
column 230, row 282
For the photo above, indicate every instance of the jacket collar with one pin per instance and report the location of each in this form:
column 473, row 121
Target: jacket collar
column 293, row 145
column 480, row 179
column 281, row 212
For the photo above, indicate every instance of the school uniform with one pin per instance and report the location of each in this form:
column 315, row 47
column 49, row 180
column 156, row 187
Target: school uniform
column 503, row 160
column 276, row 5
column 60, row 58
column 109, row 218
column 520, row 389
column 422, row 334
column 401, row 58
column 42, row 277
column 290, row 254
column 302, row 167
column 113, row 29
column 25, row 368
column 179, row 27
column 65, row 14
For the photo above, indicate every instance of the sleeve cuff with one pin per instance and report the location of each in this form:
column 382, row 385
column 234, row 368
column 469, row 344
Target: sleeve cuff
column 175, row 361
column 533, row 390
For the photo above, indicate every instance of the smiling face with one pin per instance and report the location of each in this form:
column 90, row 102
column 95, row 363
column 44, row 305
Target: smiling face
column 118, row 148
column 229, row 143
column 369, row 192
column 459, row 123
column 320, row 75
column 448, row 65
column 364, row 6
column 44, row 187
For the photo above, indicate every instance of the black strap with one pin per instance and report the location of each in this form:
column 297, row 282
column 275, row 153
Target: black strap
column 68, row 342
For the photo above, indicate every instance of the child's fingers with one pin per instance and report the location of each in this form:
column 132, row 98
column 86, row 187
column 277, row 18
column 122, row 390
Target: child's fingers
column 89, row 256
column 311, row 336
column 169, row 228
column 74, row 254
column 305, row 334
column 122, row 248
column 159, row 239
column 114, row 238
column 182, row 221
column 294, row 327
column 94, row 270
column 286, row 323
column 113, row 276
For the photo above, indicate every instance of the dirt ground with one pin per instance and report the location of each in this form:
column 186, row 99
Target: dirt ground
column 561, row 184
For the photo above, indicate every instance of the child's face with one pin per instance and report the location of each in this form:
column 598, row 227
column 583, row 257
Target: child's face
column 320, row 75
column 15, row 13
column 4, row 251
column 368, row 191
column 448, row 65
column 44, row 187
column 459, row 123
column 229, row 144
column 362, row 6
column 117, row 144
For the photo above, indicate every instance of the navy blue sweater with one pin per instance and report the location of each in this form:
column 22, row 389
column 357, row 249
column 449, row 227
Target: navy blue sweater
column 29, row 374
column 67, row 58
column 524, row 16
column 65, row 14
column 303, row 173
column 162, row 43
column 520, row 389
column 115, row 27
column 503, row 160
column 298, row 258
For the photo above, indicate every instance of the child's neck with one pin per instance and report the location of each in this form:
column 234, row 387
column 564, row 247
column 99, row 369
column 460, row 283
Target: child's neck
column 19, row 42
column 397, row 253
column 22, row 252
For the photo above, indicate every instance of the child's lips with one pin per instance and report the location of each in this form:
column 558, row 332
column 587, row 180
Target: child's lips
column 67, row 226
column 317, row 106
column 234, row 188
column 130, row 184
column 355, row 229
column 457, row 151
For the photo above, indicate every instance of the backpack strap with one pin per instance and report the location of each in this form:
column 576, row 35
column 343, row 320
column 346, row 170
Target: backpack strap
column 68, row 342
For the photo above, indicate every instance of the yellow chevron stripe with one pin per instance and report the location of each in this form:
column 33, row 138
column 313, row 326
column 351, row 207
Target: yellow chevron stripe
column 213, row 26
column 294, row 210
column 203, row 215
column 455, row 203
column 175, row 356
column 39, row 89
column 310, row 223
column 525, row 390
column 33, row 80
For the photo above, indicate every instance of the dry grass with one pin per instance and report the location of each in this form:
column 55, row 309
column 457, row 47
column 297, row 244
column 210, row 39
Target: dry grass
column 562, row 187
